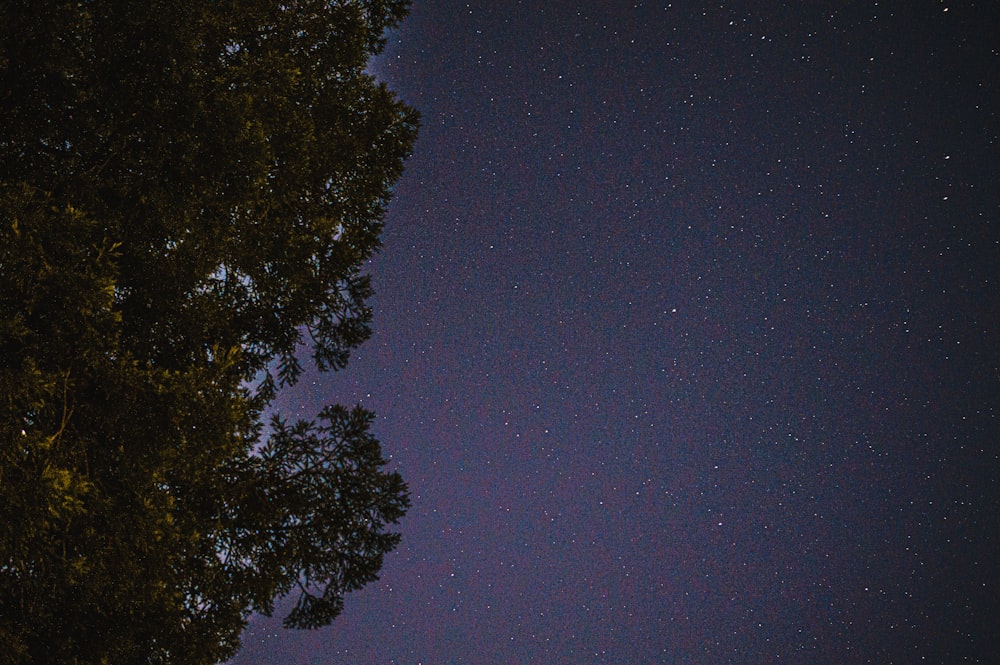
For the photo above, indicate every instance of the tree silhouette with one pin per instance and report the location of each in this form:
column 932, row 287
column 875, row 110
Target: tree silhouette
column 188, row 192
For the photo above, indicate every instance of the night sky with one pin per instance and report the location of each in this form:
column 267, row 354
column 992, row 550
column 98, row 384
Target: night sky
column 686, row 338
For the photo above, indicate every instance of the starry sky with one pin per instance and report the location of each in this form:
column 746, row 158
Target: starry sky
column 686, row 338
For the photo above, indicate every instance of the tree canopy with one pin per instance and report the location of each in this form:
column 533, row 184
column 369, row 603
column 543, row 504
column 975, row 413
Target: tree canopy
column 188, row 195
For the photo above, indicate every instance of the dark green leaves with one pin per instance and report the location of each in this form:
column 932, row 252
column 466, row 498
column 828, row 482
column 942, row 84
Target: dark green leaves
column 328, row 481
column 188, row 193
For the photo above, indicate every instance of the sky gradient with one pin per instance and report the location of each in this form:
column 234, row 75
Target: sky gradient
column 686, row 339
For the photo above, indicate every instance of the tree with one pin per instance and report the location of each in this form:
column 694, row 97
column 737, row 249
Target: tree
column 188, row 194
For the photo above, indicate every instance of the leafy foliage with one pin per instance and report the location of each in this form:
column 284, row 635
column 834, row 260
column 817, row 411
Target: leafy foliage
column 188, row 193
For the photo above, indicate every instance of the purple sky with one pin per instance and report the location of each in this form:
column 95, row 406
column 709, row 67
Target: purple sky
column 686, row 339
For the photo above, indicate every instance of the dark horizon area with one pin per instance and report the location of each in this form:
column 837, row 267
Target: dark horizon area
column 685, row 339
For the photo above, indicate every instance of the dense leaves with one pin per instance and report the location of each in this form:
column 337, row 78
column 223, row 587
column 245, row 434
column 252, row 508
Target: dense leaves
column 188, row 193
